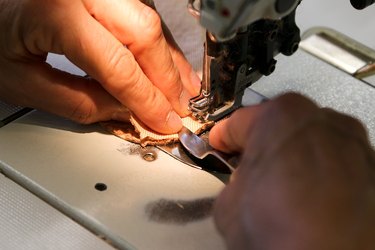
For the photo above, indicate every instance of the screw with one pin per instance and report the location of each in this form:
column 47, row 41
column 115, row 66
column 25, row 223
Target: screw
column 149, row 156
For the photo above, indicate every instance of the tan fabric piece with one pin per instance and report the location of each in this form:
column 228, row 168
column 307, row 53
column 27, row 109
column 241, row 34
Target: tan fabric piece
column 136, row 131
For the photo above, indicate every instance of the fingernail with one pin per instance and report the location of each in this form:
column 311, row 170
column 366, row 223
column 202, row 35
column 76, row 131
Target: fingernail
column 195, row 81
column 174, row 121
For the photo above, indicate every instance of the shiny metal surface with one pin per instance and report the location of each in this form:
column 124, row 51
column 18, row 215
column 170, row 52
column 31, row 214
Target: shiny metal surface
column 193, row 9
column 27, row 222
column 176, row 150
column 200, row 104
column 63, row 162
column 339, row 50
column 201, row 149
column 342, row 52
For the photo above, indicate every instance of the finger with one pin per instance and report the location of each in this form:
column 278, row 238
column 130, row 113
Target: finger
column 264, row 123
column 231, row 135
column 37, row 85
column 138, row 26
column 189, row 77
column 95, row 50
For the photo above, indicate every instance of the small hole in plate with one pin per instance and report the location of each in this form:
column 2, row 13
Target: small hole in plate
column 100, row 187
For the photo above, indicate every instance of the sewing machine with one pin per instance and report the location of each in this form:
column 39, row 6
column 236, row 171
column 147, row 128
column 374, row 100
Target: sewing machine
column 69, row 186
column 243, row 37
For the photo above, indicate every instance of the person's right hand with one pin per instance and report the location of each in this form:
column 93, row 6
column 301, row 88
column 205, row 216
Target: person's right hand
column 306, row 179
column 149, row 75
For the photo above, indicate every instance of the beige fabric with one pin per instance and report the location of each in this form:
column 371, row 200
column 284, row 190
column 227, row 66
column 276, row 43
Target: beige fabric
column 146, row 134
column 135, row 131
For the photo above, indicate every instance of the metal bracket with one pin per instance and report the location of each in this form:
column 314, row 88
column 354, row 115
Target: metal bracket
column 341, row 51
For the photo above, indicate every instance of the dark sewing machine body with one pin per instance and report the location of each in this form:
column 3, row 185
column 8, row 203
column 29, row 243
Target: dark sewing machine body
column 243, row 37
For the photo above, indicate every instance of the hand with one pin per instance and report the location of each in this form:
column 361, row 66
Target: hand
column 306, row 179
column 149, row 75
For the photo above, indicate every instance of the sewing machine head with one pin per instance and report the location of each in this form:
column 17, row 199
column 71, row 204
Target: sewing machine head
column 242, row 39
column 223, row 18
column 243, row 36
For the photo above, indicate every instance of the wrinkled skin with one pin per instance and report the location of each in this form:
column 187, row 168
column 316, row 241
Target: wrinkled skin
column 149, row 75
column 306, row 179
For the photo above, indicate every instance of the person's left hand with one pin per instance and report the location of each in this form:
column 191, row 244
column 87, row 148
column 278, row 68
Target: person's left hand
column 149, row 75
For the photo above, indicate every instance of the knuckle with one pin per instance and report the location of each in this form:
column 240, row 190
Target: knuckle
column 293, row 100
column 82, row 113
column 347, row 122
column 158, row 108
column 116, row 59
column 130, row 84
column 82, row 108
column 150, row 24
column 173, row 74
column 121, row 68
column 173, row 80
column 292, row 107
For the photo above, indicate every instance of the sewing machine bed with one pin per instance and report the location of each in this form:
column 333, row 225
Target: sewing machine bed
column 107, row 186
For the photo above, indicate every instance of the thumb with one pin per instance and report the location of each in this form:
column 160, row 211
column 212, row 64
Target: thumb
column 231, row 135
